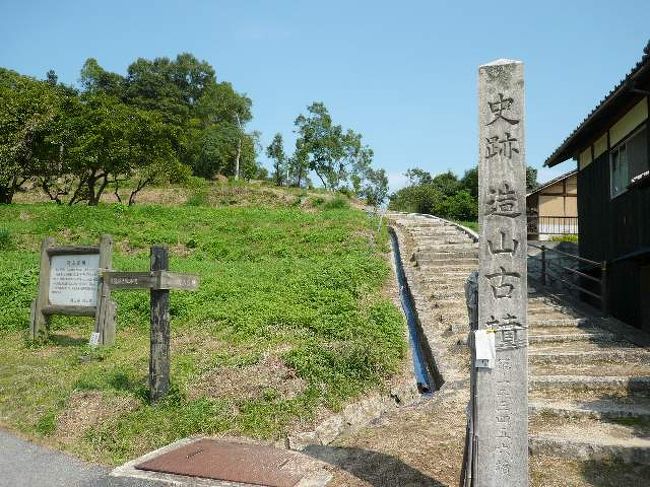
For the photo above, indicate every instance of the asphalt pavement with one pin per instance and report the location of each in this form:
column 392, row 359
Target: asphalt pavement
column 23, row 463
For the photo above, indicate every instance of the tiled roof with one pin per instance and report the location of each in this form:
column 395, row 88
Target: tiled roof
column 552, row 182
column 561, row 154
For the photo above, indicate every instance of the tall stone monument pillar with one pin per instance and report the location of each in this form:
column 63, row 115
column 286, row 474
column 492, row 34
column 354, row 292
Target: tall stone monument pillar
column 501, row 403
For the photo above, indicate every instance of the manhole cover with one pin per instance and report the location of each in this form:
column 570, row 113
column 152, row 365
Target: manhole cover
column 230, row 461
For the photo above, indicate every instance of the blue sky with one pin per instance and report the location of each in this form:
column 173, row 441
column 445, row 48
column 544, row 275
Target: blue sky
column 404, row 74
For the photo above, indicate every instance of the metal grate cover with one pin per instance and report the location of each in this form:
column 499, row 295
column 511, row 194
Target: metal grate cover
column 229, row 461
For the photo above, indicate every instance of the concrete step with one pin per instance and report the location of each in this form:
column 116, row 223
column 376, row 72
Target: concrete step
column 593, row 369
column 566, row 330
column 599, row 355
column 448, row 277
column 590, row 439
column 608, row 448
column 616, row 385
column 456, row 293
column 445, row 254
column 544, row 308
column 453, row 260
column 596, row 337
column 425, row 243
column 600, row 408
column 550, row 316
column 451, row 248
column 536, row 322
column 449, row 268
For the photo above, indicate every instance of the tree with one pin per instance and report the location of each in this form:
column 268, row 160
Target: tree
column 459, row 206
column 113, row 142
column 376, row 188
column 275, row 152
column 447, row 183
column 417, row 176
column 298, row 165
column 95, row 79
column 27, row 110
column 531, row 178
column 470, row 182
column 332, row 153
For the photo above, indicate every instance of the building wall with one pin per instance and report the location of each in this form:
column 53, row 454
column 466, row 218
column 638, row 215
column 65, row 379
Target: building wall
column 612, row 228
column 559, row 199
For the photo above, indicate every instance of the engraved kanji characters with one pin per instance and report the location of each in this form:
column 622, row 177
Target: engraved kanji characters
column 504, row 146
column 497, row 108
column 503, row 282
column 507, row 245
column 503, row 201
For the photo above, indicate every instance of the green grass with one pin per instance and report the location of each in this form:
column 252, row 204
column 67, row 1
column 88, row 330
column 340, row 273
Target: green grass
column 473, row 225
column 301, row 287
column 564, row 238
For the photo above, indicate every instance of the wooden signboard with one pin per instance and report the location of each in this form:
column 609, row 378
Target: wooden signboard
column 70, row 284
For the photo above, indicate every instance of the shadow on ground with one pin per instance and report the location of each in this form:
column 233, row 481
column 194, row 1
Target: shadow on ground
column 614, row 474
column 378, row 469
column 66, row 341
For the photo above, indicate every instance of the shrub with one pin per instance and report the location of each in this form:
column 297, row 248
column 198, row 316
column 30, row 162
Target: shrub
column 425, row 198
column 460, row 206
column 337, row 203
column 198, row 198
column 564, row 238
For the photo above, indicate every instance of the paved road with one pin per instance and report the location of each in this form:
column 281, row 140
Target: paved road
column 25, row 464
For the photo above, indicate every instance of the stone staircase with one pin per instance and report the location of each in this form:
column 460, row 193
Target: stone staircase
column 589, row 387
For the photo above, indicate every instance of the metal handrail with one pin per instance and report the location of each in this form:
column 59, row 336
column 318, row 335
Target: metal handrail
column 555, row 269
column 566, row 254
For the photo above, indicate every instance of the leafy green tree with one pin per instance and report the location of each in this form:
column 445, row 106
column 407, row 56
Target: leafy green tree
column 417, row 176
column 298, row 165
column 95, row 79
column 531, row 178
column 275, row 152
column 376, row 187
column 332, row 153
column 469, row 182
column 112, row 142
column 424, row 198
column 447, row 183
column 459, row 206
column 27, row 110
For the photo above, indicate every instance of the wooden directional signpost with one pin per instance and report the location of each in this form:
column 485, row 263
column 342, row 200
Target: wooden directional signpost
column 79, row 280
column 159, row 281
column 500, row 375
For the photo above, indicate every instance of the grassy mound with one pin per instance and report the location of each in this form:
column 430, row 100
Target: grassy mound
column 289, row 319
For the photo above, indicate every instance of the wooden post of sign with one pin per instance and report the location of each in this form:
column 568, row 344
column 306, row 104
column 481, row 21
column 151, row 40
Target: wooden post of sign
column 501, row 402
column 105, row 312
column 159, row 356
column 38, row 321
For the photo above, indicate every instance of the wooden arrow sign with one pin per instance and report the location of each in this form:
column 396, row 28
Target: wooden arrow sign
column 157, row 280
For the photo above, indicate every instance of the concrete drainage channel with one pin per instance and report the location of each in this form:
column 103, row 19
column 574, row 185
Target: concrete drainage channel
column 427, row 376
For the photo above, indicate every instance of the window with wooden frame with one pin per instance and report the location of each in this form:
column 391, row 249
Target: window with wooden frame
column 627, row 160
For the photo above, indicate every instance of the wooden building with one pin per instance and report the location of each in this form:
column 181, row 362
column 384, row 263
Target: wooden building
column 611, row 148
column 552, row 208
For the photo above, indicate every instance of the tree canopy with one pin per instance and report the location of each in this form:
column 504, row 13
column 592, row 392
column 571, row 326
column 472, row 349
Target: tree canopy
column 162, row 120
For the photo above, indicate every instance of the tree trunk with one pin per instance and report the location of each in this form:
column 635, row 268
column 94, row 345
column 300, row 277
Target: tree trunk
column 6, row 195
column 238, row 149
column 321, row 179
column 237, row 160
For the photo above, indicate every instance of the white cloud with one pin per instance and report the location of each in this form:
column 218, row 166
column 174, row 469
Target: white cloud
column 396, row 180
